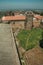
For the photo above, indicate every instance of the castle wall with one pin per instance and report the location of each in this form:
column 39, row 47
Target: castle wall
column 36, row 23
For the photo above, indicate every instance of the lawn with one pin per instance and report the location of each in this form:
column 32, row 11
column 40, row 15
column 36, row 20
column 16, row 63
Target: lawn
column 29, row 38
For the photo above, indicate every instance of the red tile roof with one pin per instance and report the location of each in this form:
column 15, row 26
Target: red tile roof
column 16, row 17
column 38, row 16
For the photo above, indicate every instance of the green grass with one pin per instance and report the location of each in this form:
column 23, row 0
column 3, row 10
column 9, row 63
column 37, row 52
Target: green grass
column 29, row 38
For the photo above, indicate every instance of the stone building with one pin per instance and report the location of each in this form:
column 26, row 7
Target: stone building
column 18, row 21
column 29, row 20
column 37, row 21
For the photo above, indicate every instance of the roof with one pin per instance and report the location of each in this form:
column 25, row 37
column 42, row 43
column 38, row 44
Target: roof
column 16, row 17
column 38, row 16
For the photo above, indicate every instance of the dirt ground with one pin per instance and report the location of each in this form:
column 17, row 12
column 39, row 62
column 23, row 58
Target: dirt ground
column 34, row 56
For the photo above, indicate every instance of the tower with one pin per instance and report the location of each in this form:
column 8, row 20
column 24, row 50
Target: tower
column 29, row 20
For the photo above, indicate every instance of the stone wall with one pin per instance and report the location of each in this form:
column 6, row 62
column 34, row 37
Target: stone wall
column 29, row 22
column 19, row 24
column 36, row 23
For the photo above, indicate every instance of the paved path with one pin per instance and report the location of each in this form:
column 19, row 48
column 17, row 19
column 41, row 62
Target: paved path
column 8, row 52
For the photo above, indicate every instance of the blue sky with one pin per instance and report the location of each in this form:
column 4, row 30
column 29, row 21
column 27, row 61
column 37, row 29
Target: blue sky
column 21, row 4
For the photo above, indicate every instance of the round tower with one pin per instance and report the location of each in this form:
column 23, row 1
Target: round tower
column 29, row 20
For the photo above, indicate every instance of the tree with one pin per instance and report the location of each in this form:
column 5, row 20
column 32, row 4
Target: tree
column 41, row 41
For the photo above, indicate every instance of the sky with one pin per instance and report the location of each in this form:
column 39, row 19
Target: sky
column 21, row 4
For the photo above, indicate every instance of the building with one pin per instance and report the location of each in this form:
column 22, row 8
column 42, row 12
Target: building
column 17, row 20
column 37, row 20
column 29, row 20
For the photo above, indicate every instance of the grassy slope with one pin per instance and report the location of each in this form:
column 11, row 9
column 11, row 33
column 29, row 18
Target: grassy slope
column 29, row 38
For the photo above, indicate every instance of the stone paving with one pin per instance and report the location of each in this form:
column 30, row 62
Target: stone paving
column 8, row 52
